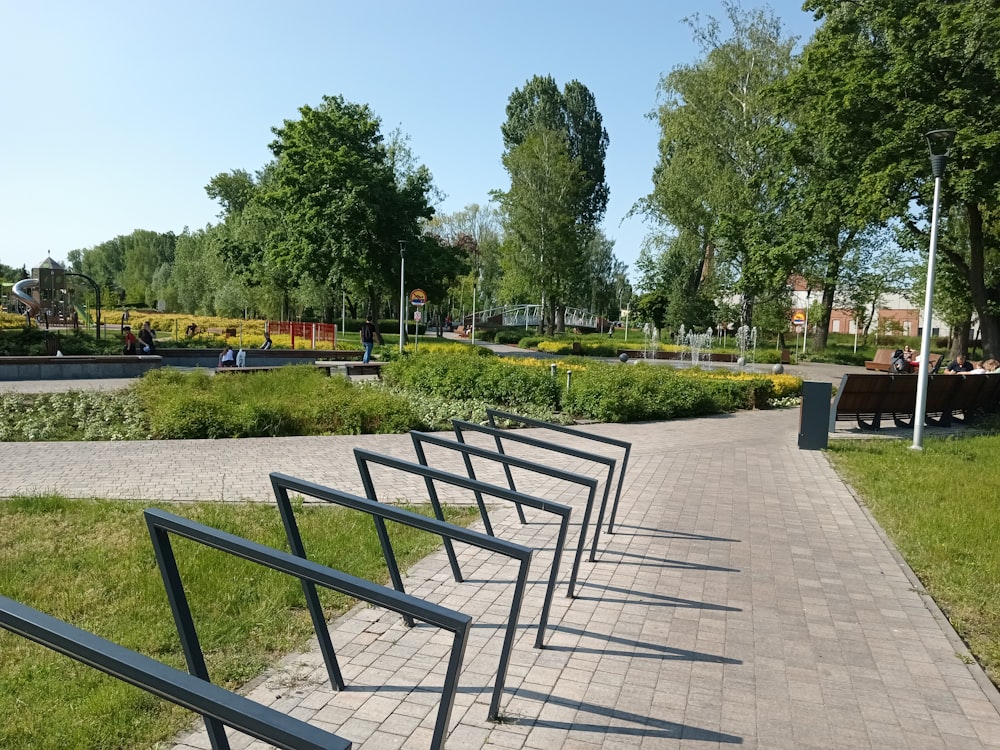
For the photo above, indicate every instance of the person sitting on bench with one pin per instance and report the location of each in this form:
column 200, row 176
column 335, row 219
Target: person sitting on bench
column 959, row 364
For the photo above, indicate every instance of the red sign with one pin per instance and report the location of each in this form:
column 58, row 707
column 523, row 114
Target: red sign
column 418, row 297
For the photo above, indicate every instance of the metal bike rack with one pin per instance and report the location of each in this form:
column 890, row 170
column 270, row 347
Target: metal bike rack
column 462, row 427
column 214, row 703
column 380, row 512
column 563, row 511
column 467, row 451
column 161, row 524
column 493, row 414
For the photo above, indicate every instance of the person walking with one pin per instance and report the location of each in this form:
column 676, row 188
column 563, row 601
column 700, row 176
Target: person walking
column 369, row 335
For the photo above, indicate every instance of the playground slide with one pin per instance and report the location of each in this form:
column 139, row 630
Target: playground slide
column 20, row 291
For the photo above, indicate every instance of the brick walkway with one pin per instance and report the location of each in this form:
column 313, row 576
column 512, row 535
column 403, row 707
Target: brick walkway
column 747, row 599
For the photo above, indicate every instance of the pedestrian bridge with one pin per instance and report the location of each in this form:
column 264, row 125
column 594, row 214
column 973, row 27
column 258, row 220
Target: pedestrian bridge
column 513, row 316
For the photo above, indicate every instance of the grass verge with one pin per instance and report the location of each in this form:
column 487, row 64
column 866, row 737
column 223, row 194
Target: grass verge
column 940, row 509
column 91, row 563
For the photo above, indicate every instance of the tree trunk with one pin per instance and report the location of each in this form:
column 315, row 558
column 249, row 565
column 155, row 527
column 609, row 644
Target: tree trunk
column 960, row 339
column 982, row 295
column 560, row 316
column 826, row 310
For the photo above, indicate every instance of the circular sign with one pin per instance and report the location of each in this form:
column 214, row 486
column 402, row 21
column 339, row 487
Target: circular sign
column 418, row 297
column 799, row 318
column 416, row 316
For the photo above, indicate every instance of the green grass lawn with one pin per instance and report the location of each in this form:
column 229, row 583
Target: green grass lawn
column 91, row 563
column 940, row 507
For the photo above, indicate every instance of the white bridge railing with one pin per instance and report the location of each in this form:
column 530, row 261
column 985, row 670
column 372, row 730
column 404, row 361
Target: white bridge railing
column 530, row 315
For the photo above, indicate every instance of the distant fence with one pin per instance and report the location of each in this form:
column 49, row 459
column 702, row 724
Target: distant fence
column 316, row 333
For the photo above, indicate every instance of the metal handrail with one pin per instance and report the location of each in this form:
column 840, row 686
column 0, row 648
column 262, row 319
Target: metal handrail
column 282, row 484
column 161, row 524
column 467, row 451
column 193, row 693
column 493, row 414
column 498, row 435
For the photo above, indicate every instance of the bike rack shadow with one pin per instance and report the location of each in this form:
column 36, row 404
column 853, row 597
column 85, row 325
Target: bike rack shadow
column 493, row 414
column 380, row 512
column 214, row 703
column 467, row 451
column 161, row 524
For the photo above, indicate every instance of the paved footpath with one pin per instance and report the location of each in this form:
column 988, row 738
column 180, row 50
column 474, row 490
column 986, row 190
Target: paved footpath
column 746, row 599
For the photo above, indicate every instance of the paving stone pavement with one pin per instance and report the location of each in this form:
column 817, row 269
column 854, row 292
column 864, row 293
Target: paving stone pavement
column 746, row 599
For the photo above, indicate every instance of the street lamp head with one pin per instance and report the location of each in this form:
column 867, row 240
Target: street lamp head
column 939, row 144
column 402, row 248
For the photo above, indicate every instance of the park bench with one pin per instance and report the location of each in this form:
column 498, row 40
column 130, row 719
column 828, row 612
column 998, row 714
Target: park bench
column 883, row 360
column 866, row 399
column 261, row 368
column 349, row 369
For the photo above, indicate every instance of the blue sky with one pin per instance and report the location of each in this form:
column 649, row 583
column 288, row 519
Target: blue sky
column 115, row 115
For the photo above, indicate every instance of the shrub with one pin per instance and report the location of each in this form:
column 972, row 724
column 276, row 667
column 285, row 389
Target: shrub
column 457, row 374
column 372, row 410
column 509, row 336
column 616, row 393
column 295, row 400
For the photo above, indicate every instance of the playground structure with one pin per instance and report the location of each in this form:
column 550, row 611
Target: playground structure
column 47, row 294
column 22, row 293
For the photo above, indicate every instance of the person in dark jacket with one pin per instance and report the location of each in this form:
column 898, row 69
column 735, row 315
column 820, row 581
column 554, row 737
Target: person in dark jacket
column 959, row 364
column 369, row 335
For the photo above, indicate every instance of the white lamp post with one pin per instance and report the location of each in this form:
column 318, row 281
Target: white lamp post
column 402, row 293
column 939, row 143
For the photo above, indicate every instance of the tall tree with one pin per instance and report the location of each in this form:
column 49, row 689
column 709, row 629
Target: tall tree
column 552, row 135
column 900, row 69
column 573, row 111
column 542, row 244
column 344, row 205
column 722, row 141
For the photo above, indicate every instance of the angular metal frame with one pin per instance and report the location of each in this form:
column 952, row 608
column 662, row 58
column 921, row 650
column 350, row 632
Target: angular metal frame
column 161, row 524
column 493, row 414
column 467, row 451
column 282, row 484
column 365, row 457
column 191, row 692
column 462, row 427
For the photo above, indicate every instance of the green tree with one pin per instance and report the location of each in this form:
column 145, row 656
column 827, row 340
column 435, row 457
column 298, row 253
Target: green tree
column 573, row 112
column 199, row 270
column 719, row 177
column 542, row 243
column 552, row 135
column 343, row 203
column 475, row 231
column 899, row 69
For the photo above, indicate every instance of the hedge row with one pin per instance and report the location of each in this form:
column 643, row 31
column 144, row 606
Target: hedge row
column 467, row 373
column 630, row 393
column 294, row 400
